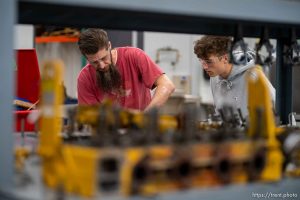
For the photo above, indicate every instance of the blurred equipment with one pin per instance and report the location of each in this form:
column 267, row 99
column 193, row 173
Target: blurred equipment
column 108, row 150
column 61, row 163
column 182, row 84
column 262, row 124
column 176, row 102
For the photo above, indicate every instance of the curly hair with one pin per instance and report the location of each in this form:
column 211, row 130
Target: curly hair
column 92, row 40
column 212, row 45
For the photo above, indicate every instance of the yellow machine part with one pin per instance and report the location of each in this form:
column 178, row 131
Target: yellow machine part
column 160, row 152
column 240, row 152
column 133, row 157
column 51, row 116
column 259, row 100
column 51, row 113
column 90, row 115
column 132, row 117
column 80, row 179
column 21, row 154
column 167, row 123
column 62, row 163
column 160, row 159
column 65, row 170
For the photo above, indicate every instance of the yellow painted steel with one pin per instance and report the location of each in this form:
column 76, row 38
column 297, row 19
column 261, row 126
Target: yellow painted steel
column 62, row 164
column 90, row 115
column 51, row 111
column 133, row 157
column 262, row 122
column 167, row 123
column 81, row 168
column 21, row 153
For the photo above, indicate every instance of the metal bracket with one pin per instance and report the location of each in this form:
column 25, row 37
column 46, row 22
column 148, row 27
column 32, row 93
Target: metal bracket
column 238, row 43
column 264, row 41
column 293, row 51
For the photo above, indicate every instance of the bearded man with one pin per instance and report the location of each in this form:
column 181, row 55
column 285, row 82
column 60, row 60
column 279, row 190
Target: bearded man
column 126, row 75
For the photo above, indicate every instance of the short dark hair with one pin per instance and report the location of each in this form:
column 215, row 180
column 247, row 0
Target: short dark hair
column 92, row 40
column 212, row 45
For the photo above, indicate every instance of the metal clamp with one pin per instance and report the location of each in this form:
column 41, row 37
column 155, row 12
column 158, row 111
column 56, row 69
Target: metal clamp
column 238, row 43
column 293, row 52
column 264, row 42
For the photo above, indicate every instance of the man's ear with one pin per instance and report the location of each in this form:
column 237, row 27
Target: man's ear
column 226, row 58
column 109, row 45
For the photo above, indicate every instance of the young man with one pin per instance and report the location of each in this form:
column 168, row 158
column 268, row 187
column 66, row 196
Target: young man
column 125, row 74
column 228, row 82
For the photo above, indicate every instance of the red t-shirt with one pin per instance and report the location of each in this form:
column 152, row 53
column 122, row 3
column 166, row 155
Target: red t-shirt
column 138, row 72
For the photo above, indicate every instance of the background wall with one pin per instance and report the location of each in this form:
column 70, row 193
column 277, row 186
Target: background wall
column 24, row 36
column 71, row 57
column 188, row 65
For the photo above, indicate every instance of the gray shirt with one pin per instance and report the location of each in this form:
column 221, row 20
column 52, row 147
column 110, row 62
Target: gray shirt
column 233, row 90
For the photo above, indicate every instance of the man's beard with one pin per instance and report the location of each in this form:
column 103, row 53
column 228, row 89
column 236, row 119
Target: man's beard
column 110, row 80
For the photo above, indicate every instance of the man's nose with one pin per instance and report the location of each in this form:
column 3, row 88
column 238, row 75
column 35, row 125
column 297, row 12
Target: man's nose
column 204, row 66
column 101, row 65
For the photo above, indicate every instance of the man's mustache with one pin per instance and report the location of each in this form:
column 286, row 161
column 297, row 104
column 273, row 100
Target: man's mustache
column 109, row 80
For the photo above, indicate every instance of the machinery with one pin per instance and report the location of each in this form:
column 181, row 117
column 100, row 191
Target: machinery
column 109, row 150
column 262, row 124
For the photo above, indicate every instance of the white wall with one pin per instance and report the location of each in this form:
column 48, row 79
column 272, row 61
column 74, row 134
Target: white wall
column 203, row 89
column 71, row 57
column 23, row 37
column 188, row 63
column 154, row 41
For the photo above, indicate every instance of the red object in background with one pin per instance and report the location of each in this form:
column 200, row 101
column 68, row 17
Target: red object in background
column 27, row 84
column 27, row 75
column 22, row 115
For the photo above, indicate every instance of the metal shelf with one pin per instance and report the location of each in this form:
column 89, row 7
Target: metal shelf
column 55, row 39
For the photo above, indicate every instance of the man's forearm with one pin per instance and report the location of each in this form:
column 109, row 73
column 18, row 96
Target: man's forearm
column 161, row 95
